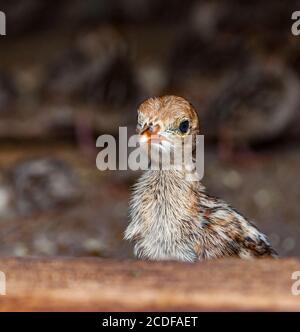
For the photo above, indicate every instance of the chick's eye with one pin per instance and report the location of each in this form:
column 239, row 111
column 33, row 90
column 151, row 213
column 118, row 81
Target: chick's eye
column 184, row 126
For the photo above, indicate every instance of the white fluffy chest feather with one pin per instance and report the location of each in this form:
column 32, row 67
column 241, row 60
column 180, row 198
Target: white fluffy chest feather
column 161, row 217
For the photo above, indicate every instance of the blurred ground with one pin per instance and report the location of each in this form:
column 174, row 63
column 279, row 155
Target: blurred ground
column 265, row 191
column 73, row 72
column 115, row 285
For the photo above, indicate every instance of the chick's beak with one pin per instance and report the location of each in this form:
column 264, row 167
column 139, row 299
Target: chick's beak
column 149, row 133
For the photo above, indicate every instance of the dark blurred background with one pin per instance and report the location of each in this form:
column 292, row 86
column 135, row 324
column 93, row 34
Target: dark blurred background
column 73, row 70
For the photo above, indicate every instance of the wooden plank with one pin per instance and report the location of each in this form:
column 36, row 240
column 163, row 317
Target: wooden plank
column 85, row 284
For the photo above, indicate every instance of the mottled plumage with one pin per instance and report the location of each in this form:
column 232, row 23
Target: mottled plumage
column 173, row 218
